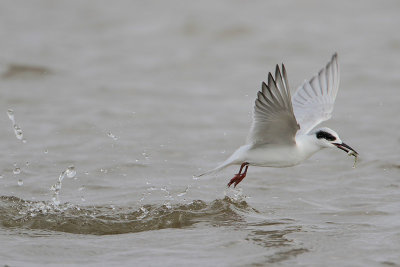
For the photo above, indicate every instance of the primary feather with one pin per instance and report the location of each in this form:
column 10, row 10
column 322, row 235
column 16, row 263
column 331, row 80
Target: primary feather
column 273, row 118
column 313, row 101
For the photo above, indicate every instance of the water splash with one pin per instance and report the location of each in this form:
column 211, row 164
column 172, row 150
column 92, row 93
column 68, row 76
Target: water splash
column 20, row 182
column 168, row 195
column 16, row 170
column 106, row 220
column 184, row 192
column 112, row 136
column 236, row 194
column 145, row 155
column 10, row 114
column 70, row 172
column 17, row 130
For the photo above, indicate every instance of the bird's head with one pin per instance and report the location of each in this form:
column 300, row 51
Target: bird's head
column 326, row 137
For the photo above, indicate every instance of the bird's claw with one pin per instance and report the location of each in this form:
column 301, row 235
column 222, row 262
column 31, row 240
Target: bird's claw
column 236, row 179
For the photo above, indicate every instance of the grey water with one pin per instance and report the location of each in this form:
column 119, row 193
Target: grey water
column 108, row 110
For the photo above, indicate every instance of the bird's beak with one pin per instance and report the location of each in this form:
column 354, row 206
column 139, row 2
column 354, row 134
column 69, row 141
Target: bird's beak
column 345, row 148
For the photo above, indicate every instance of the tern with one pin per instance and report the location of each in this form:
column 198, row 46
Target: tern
column 282, row 133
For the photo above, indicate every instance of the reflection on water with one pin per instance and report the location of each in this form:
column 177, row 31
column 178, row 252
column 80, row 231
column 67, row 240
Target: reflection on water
column 273, row 236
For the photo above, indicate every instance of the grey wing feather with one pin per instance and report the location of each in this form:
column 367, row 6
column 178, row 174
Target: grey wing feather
column 313, row 101
column 273, row 118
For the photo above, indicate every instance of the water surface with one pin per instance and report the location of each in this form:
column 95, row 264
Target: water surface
column 116, row 106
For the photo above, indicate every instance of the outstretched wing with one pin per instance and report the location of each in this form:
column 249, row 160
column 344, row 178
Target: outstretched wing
column 273, row 117
column 313, row 101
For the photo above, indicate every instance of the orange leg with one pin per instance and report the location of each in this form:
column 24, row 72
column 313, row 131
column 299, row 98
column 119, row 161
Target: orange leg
column 239, row 176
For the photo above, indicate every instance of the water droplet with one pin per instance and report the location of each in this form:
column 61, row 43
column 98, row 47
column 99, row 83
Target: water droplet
column 56, row 201
column 18, row 132
column 164, row 188
column 111, row 135
column 83, row 199
column 10, row 114
column 195, row 177
column 20, row 182
column 144, row 213
column 145, row 155
column 57, row 186
column 70, row 172
column 184, row 192
column 81, row 188
column 61, row 177
column 24, row 141
column 1, row 176
column 46, row 151
column 17, row 170
column 27, row 163
column 17, row 129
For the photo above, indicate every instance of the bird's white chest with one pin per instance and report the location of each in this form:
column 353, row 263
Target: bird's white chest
column 280, row 156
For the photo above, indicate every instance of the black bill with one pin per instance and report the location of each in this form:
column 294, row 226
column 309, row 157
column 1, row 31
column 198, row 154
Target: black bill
column 346, row 148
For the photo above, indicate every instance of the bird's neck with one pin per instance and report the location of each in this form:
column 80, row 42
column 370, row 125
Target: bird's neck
column 306, row 145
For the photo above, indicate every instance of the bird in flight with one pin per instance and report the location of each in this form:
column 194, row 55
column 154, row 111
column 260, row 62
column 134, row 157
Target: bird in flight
column 282, row 133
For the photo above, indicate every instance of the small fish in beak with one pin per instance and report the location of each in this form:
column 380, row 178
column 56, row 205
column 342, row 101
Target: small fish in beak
column 349, row 150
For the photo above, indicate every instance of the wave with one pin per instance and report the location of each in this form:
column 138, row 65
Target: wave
column 109, row 220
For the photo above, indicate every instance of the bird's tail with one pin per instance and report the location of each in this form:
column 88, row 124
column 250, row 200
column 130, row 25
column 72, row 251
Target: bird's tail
column 217, row 169
column 235, row 158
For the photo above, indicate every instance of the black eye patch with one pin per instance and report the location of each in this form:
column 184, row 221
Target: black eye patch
column 325, row 135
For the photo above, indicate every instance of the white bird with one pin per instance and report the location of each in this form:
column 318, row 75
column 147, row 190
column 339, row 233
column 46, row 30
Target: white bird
column 282, row 134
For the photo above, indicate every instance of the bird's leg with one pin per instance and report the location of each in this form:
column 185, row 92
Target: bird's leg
column 239, row 176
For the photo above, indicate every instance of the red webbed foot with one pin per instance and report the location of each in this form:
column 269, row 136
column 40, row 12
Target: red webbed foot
column 239, row 176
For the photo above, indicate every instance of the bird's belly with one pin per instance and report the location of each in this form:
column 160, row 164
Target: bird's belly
column 274, row 157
